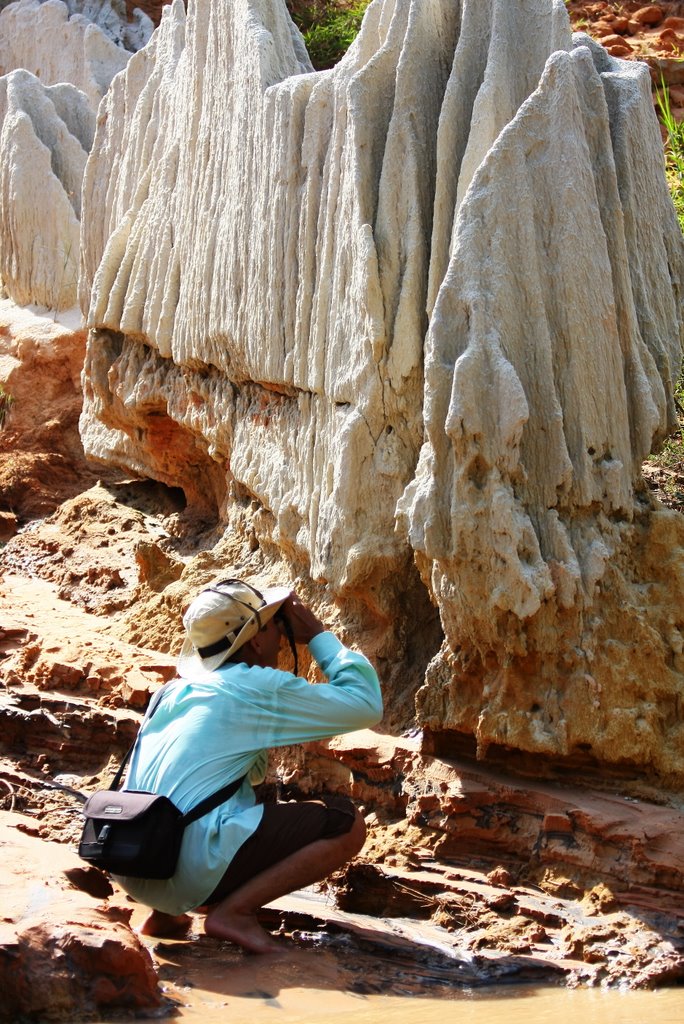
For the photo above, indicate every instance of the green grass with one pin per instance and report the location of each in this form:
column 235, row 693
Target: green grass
column 329, row 27
column 674, row 150
column 671, row 457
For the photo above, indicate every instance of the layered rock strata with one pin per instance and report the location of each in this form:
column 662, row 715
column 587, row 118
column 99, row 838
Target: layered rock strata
column 451, row 335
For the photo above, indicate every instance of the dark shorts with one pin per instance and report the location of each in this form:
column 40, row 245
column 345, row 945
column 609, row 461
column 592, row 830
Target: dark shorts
column 284, row 829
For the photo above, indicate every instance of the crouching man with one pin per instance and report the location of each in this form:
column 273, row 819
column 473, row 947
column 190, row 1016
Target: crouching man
column 213, row 725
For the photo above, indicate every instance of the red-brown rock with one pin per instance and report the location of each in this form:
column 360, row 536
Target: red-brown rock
column 8, row 525
column 64, row 955
column 621, row 49
column 670, row 39
column 651, row 15
column 41, row 455
column 602, row 28
column 615, row 40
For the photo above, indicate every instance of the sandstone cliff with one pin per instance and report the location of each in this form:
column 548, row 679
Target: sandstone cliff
column 44, row 141
column 450, row 337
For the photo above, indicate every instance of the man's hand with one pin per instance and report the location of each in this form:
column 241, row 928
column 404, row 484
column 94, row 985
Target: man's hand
column 305, row 625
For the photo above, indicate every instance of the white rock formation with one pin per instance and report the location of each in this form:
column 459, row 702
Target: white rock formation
column 57, row 47
column 45, row 135
column 549, row 369
column 112, row 18
column 312, row 279
column 76, row 49
column 544, row 298
column 426, row 303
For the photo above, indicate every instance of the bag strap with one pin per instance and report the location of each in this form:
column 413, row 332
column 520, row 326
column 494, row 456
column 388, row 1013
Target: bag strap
column 204, row 806
column 114, row 784
column 151, row 708
column 210, row 802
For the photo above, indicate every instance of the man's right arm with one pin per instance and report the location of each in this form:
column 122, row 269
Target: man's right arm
column 341, row 666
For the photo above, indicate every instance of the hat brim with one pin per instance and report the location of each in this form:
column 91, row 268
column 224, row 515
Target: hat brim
column 191, row 665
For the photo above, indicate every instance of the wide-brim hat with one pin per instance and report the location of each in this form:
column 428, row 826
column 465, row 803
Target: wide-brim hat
column 222, row 618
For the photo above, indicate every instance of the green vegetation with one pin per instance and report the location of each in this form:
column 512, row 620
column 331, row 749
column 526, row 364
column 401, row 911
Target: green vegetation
column 670, row 459
column 6, row 401
column 329, row 27
column 674, row 150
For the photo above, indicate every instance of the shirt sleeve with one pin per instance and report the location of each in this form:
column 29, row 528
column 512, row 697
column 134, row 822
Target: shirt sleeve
column 291, row 710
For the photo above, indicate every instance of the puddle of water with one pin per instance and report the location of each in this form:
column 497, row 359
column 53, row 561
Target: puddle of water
column 304, row 986
column 386, row 970
column 260, row 1001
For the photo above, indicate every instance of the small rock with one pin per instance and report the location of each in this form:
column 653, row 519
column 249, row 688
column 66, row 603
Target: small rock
column 668, row 46
column 599, row 900
column 157, row 569
column 621, row 49
column 135, row 689
column 615, row 40
column 603, row 28
column 651, row 15
column 500, row 877
column 668, row 37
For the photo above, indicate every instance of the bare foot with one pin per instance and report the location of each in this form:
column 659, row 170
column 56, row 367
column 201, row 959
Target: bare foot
column 242, row 929
column 165, row 926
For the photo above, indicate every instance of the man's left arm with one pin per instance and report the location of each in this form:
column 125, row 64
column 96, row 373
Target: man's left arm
column 350, row 699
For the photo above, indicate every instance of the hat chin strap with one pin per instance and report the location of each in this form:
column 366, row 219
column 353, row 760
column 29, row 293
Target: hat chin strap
column 221, row 645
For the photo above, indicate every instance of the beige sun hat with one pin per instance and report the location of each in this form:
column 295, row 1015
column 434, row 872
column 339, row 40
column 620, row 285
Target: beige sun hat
column 221, row 619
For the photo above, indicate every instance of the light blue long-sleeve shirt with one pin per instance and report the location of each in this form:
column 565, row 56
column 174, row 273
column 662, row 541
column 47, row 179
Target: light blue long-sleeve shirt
column 206, row 733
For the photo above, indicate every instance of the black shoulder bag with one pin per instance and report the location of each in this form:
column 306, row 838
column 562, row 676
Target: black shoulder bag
column 139, row 834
